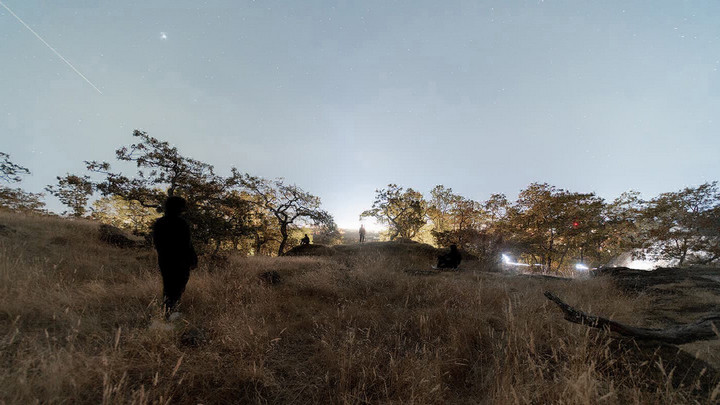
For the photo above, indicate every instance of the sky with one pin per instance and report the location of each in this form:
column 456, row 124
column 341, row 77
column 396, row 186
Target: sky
column 344, row 97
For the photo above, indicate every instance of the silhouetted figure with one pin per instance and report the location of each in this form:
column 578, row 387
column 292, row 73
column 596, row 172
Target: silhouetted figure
column 450, row 260
column 305, row 240
column 176, row 255
column 362, row 233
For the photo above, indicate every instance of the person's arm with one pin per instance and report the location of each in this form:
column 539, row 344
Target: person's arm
column 191, row 249
column 154, row 234
column 193, row 257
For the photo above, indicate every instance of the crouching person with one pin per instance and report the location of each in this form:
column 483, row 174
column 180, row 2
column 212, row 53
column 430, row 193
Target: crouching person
column 450, row 260
column 176, row 255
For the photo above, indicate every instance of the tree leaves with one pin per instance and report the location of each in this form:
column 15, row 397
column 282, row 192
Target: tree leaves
column 9, row 171
column 684, row 225
column 73, row 191
column 404, row 211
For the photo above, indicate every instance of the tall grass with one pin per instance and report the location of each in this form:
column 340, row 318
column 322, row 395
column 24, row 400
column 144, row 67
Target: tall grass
column 76, row 316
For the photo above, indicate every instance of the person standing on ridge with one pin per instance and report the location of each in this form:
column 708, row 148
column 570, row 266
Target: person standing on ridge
column 305, row 240
column 362, row 233
column 176, row 255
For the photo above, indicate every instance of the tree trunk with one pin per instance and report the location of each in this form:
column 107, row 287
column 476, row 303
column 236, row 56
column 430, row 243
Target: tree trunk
column 283, row 242
column 683, row 253
column 549, row 256
column 394, row 234
column 562, row 259
column 258, row 244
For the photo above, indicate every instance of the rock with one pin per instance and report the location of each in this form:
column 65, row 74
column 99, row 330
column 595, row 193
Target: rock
column 678, row 295
column 641, row 280
column 270, row 277
column 310, row 250
column 59, row 240
column 6, row 230
column 194, row 337
column 158, row 325
column 117, row 237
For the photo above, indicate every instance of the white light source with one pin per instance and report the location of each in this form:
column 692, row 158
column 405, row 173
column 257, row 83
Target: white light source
column 508, row 261
column 581, row 267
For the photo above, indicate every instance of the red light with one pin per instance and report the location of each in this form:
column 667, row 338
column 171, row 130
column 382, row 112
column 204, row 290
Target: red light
column 576, row 224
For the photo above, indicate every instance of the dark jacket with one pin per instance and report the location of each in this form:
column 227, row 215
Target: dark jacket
column 450, row 260
column 454, row 258
column 171, row 237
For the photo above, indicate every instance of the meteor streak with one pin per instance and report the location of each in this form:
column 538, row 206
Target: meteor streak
column 51, row 48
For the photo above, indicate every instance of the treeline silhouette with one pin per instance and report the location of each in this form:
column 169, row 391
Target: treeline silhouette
column 547, row 226
column 556, row 228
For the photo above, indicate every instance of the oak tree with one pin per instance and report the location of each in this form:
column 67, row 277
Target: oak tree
column 73, row 191
column 215, row 210
column 288, row 203
column 685, row 225
column 551, row 225
column 404, row 211
column 16, row 199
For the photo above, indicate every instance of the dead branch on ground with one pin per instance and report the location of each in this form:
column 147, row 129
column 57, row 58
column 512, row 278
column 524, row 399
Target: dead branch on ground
column 705, row 328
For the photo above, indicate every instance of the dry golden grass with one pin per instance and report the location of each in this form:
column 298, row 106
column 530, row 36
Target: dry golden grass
column 75, row 317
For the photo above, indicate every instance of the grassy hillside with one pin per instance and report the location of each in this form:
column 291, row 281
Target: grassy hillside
column 76, row 316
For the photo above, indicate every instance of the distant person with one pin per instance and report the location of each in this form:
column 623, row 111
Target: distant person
column 362, row 233
column 176, row 255
column 450, row 260
column 305, row 240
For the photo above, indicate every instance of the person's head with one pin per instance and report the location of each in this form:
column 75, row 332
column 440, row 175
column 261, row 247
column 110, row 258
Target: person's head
column 306, row 236
column 453, row 247
column 174, row 206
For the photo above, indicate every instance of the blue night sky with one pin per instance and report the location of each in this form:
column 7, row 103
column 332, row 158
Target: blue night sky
column 345, row 97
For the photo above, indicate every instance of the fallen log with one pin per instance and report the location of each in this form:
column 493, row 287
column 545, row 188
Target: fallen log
column 705, row 328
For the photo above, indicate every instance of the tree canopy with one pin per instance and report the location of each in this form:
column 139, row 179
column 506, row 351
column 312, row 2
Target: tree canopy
column 684, row 225
column 16, row 199
column 215, row 209
column 9, row 171
column 402, row 210
column 73, row 191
